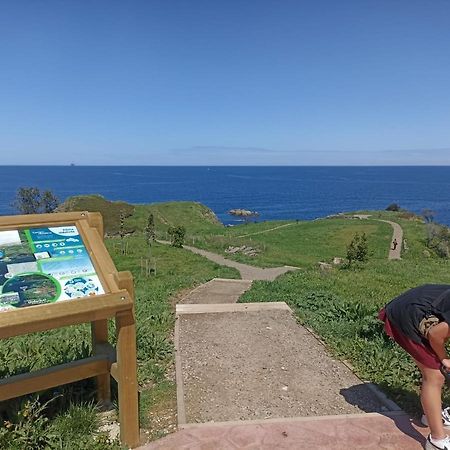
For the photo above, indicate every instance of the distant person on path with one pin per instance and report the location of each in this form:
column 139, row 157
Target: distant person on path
column 394, row 244
column 418, row 320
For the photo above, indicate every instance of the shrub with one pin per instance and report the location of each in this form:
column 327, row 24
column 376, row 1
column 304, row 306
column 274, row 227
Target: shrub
column 393, row 207
column 438, row 239
column 358, row 249
column 177, row 235
column 428, row 215
column 31, row 200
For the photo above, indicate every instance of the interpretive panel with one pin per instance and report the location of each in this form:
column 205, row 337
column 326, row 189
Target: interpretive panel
column 44, row 265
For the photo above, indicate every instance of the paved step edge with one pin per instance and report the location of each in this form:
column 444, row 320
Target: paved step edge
column 230, row 307
column 232, row 280
column 293, row 419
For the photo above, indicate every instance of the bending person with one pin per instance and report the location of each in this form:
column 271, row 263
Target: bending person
column 418, row 320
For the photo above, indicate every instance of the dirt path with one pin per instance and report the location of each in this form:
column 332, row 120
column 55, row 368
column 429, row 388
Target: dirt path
column 396, row 236
column 259, row 364
column 266, row 231
column 247, row 272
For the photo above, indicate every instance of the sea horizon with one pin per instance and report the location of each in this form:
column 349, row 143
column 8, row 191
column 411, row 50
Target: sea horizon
column 275, row 192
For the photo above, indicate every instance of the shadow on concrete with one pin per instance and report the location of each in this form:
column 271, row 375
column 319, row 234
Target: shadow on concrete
column 359, row 395
column 405, row 424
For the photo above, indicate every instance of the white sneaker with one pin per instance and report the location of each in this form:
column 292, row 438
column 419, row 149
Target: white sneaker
column 445, row 444
column 445, row 418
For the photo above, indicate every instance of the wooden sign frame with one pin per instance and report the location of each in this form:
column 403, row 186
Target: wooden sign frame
column 117, row 303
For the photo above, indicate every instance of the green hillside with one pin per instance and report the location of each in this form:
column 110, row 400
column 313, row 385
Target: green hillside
column 196, row 217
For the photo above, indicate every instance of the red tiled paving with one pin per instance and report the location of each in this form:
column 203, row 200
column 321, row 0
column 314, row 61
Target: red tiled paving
column 372, row 431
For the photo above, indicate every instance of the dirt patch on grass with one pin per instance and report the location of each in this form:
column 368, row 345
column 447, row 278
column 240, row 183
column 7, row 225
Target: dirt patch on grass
column 160, row 405
column 257, row 365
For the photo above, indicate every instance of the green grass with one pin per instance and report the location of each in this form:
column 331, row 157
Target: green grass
column 300, row 244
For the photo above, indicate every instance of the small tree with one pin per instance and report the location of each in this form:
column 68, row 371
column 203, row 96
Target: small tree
column 358, row 249
column 177, row 235
column 150, row 232
column 49, row 202
column 30, row 200
column 122, row 232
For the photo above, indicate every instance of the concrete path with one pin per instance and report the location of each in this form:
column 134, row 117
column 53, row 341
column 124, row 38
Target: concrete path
column 247, row 272
column 388, row 431
column 218, row 290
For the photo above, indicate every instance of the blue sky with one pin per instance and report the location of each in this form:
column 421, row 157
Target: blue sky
column 353, row 82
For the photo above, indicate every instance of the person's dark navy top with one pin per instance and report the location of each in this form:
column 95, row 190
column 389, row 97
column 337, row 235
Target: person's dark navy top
column 406, row 311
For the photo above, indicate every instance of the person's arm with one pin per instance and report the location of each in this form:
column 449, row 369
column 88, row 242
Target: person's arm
column 437, row 337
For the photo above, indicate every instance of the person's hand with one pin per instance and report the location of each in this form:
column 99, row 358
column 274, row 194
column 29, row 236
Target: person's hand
column 446, row 364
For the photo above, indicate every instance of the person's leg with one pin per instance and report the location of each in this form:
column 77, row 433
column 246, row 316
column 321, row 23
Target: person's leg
column 430, row 397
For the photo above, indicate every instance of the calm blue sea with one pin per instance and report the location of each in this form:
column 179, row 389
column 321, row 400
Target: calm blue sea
column 275, row 192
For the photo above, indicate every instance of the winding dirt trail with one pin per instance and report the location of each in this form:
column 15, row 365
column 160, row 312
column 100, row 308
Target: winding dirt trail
column 266, row 231
column 247, row 272
column 395, row 251
column 397, row 236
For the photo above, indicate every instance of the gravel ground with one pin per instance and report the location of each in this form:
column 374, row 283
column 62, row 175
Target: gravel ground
column 257, row 365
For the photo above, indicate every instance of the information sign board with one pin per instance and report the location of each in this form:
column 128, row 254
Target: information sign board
column 44, row 265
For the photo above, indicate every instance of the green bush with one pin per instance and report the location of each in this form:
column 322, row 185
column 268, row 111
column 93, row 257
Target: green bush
column 393, row 207
column 358, row 249
column 177, row 235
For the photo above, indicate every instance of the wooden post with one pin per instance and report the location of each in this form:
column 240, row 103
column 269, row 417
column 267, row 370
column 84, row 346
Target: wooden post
column 127, row 379
column 99, row 332
column 126, row 367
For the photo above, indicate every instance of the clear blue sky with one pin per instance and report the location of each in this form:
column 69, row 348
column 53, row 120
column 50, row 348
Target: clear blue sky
column 225, row 82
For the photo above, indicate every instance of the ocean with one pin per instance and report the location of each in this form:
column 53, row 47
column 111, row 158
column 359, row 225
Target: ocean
column 275, row 192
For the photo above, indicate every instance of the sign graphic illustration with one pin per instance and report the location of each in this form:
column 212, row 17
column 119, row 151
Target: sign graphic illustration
column 44, row 265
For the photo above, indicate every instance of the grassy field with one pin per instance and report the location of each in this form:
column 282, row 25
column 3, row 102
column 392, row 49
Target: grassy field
column 340, row 305
column 298, row 244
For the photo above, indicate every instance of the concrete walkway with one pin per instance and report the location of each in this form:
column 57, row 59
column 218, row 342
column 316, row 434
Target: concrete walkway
column 389, row 431
column 247, row 272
